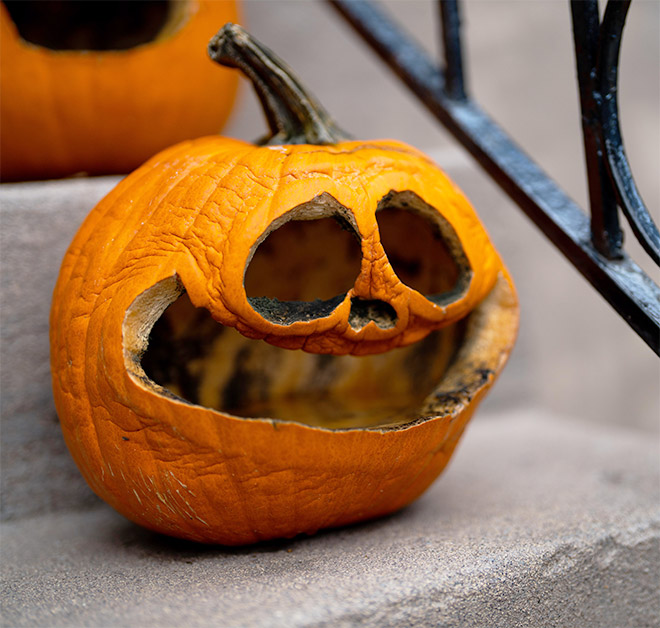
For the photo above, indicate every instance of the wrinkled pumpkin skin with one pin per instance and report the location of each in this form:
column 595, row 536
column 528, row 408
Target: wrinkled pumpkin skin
column 65, row 112
column 195, row 211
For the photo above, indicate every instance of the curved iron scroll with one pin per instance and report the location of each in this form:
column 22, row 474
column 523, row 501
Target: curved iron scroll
column 597, row 47
column 593, row 245
column 628, row 197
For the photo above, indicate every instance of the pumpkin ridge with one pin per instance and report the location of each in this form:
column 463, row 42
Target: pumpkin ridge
column 128, row 191
column 277, row 182
column 377, row 145
column 125, row 257
column 220, row 179
column 229, row 175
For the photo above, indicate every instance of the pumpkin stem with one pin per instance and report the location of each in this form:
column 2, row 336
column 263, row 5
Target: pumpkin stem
column 294, row 116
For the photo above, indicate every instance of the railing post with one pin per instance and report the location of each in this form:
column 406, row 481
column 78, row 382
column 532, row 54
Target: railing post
column 605, row 230
column 452, row 48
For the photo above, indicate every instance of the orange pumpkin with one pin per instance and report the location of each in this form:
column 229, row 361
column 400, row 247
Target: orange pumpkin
column 178, row 413
column 66, row 111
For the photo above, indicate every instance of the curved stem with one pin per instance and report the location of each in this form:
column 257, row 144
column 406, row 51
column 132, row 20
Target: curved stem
column 294, row 116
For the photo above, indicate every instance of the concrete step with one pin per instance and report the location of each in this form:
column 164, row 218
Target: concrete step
column 539, row 521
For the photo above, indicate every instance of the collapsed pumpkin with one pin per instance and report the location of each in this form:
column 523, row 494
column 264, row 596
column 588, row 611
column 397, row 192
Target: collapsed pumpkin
column 99, row 87
column 212, row 389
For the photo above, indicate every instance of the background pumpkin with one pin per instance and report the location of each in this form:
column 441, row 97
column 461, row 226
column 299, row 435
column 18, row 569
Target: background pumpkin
column 106, row 111
column 163, row 258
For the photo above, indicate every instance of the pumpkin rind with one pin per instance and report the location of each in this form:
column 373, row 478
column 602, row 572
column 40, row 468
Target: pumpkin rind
column 64, row 112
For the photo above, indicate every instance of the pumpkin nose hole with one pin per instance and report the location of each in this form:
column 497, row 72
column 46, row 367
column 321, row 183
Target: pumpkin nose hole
column 364, row 311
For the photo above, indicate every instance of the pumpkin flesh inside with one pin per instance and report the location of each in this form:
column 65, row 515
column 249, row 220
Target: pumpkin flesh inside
column 302, row 270
column 205, row 363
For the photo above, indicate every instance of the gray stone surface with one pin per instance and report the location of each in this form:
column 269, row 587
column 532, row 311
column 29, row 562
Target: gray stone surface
column 539, row 521
column 37, row 222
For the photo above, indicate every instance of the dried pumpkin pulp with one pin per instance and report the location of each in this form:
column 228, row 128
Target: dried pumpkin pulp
column 252, row 342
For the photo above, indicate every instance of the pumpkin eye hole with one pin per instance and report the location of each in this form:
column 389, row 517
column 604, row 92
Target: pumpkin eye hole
column 422, row 247
column 303, row 269
column 98, row 25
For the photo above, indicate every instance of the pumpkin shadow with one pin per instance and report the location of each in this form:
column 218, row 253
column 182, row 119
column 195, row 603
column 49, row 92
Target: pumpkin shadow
column 136, row 539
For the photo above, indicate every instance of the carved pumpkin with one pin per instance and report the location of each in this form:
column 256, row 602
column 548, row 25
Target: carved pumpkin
column 102, row 111
column 178, row 413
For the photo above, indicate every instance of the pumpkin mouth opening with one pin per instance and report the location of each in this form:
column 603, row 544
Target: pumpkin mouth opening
column 101, row 25
column 180, row 351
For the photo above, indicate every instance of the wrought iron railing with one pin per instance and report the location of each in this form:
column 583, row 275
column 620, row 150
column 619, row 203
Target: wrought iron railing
column 592, row 244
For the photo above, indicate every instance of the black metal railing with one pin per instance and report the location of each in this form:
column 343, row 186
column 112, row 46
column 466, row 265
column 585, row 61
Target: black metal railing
column 592, row 244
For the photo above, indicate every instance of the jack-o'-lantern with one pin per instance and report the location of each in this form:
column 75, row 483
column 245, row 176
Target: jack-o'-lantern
column 251, row 342
column 99, row 87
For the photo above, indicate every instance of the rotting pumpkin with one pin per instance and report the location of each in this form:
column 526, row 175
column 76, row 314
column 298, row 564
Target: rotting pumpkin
column 99, row 87
column 178, row 413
